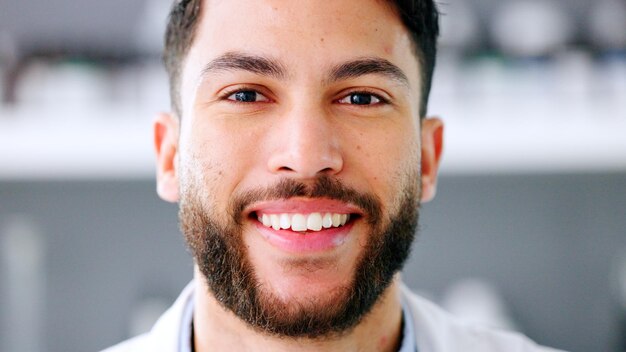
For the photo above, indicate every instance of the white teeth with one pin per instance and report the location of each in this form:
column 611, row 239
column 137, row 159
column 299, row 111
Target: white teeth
column 285, row 222
column 266, row 220
column 327, row 221
column 336, row 220
column 298, row 222
column 314, row 222
column 303, row 222
column 275, row 220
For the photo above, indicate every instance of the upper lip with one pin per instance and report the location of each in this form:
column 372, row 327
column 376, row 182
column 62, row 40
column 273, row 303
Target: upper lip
column 304, row 206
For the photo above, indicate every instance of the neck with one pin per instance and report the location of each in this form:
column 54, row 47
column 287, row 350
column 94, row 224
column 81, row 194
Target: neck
column 218, row 329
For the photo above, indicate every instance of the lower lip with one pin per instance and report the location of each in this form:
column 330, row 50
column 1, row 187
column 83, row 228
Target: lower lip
column 313, row 241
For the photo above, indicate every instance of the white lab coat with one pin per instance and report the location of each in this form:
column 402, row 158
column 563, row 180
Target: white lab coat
column 435, row 331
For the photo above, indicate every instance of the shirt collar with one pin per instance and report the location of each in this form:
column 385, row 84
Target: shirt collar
column 409, row 343
column 186, row 329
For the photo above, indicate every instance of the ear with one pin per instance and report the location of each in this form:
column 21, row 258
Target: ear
column 432, row 148
column 166, row 149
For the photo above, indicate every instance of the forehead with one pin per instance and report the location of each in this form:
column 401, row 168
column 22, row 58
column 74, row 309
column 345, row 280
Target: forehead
column 307, row 36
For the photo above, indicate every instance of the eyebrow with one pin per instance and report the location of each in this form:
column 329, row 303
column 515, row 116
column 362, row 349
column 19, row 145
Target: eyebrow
column 232, row 61
column 365, row 66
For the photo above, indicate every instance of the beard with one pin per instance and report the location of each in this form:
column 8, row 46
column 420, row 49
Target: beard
column 220, row 253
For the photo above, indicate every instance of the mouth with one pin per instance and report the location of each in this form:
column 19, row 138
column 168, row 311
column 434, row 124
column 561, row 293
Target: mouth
column 302, row 226
column 303, row 223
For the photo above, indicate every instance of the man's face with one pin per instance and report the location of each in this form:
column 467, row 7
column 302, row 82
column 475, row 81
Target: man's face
column 296, row 115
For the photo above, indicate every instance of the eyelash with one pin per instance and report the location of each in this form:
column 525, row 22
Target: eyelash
column 382, row 100
column 226, row 94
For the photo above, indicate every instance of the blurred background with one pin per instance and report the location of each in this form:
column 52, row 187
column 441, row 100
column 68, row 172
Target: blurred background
column 528, row 230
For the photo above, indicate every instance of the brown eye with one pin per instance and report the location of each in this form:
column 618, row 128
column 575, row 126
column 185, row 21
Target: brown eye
column 247, row 96
column 361, row 99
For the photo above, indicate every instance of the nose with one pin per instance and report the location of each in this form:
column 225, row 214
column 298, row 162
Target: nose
column 306, row 145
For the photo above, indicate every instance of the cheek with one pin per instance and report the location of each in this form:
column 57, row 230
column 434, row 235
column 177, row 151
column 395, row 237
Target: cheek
column 219, row 157
column 388, row 161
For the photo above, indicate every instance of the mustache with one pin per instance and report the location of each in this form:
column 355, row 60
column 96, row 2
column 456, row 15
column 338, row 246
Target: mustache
column 323, row 186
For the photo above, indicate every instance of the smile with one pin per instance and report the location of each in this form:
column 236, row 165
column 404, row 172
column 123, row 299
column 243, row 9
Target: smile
column 305, row 226
column 303, row 222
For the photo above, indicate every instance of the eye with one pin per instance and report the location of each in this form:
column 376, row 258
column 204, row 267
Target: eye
column 247, row 96
column 361, row 98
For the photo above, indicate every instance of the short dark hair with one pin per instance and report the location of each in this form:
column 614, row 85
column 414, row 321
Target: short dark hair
column 419, row 16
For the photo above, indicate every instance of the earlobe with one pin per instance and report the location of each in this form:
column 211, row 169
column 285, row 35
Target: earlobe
column 166, row 150
column 432, row 149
